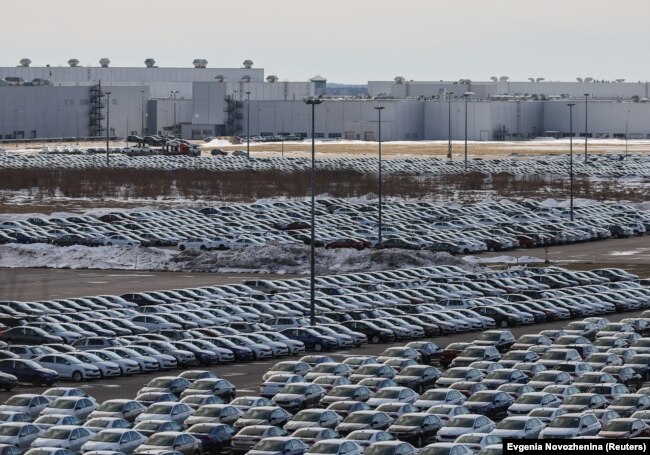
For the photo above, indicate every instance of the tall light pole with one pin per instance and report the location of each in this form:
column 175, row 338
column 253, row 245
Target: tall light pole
column 466, row 95
column 312, row 265
column 449, row 123
column 379, row 109
column 142, row 109
column 627, row 118
column 77, row 126
column 586, row 126
column 248, row 125
column 108, row 122
column 234, row 125
column 571, row 155
column 174, row 92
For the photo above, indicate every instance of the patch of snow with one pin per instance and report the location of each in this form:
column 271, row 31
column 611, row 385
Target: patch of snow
column 214, row 143
column 503, row 260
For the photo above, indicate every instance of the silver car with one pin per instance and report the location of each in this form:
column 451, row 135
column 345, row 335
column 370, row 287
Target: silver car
column 119, row 440
column 69, row 437
column 19, row 434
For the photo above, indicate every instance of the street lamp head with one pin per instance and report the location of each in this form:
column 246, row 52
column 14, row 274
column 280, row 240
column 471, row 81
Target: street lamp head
column 248, row 93
column 571, row 104
column 312, row 100
column 469, row 94
column 379, row 108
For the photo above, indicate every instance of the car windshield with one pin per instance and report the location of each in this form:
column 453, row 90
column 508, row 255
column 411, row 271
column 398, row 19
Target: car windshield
column 409, row 421
column 387, row 393
column 464, row 422
column 63, row 404
column 324, row 368
column 434, row 450
column 160, row 409
column 269, row 446
column 473, row 352
column 111, row 406
column 341, row 392
column 203, row 385
column 208, row 412
column 614, row 425
column 455, row 373
column 511, row 425
column 18, row 401
column 107, row 437
column 499, row 375
column 201, row 428
column 160, row 382
column 325, row 447
column 47, row 420
column 490, row 336
column 578, row 399
column 161, row 440
column 57, row 433
column 98, row 423
column 307, row 417
column 554, row 355
column 252, row 431
column 481, row 397
column 434, row 395
column 541, row 412
column 358, row 418
column 380, row 450
column 258, row 414
column 625, row 401
column 6, row 430
column 565, row 422
column 529, row 399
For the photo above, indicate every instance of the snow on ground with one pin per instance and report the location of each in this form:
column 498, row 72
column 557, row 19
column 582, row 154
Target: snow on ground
column 291, row 259
column 216, row 143
column 503, row 260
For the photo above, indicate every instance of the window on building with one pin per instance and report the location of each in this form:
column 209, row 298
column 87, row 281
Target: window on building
column 285, row 134
column 619, row 135
column 588, row 135
column 114, row 101
column 319, row 135
column 334, row 135
column 266, row 133
column 302, row 135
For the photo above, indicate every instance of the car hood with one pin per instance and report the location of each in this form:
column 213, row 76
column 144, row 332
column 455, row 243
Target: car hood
column 568, row 432
column 9, row 440
column 294, row 425
column 146, row 416
column 403, row 428
column 353, row 426
column 288, row 397
column 91, row 445
column 43, row 442
column 451, row 431
column 250, row 422
column 508, row 433
column 614, row 434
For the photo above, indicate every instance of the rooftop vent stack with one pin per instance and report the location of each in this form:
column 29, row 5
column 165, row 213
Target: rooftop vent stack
column 246, row 78
column 104, row 62
column 589, row 79
column 494, row 79
column 150, row 63
column 73, row 62
column 620, row 80
column 540, row 79
column 219, row 78
column 503, row 79
column 399, row 80
column 25, row 62
column 531, row 79
column 248, row 64
column 579, row 79
column 200, row 63
column 272, row 78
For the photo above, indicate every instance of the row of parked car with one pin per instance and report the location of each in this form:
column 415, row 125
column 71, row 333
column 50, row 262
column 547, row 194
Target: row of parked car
column 631, row 166
column 418, row 398
column 108, row 336
column 464, row 229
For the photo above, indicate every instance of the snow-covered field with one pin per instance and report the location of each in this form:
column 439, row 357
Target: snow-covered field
column 293, row 259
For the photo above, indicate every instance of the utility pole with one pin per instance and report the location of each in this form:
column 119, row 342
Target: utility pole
column 248, row 125
column 379, row 109
column 449, row 124
column 586, row 126
column 571, row 154
column 108, row 122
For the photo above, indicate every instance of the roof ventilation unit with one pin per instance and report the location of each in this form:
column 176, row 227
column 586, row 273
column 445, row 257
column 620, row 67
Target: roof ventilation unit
column 150, row 63
column 200, row 63
column 503, row 79
column 73, row 62
column 246, row 78
column 579, row 79
column 272, row 78
column 248, row 64
column 399, row 80
column 25, row 63
column 219, row 78
column 104, row 62
column 589, row 79
column 494, row 79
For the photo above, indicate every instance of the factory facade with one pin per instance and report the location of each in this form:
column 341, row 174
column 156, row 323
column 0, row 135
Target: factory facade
column 75, row 101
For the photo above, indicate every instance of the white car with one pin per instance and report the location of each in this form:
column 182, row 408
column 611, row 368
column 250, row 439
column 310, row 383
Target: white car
column 29, row 403
column 153, row 322
column 277, row 382
column 195, row 244
column 146, row 363
column 107, row 369
column 166, row 410
column 69, row 367
column 119, row 408
column 462, row 424
column 572, row 425
column 393, row 395
column 118, row 440
column 79, row 407
column 127, row 366
column 69, row 437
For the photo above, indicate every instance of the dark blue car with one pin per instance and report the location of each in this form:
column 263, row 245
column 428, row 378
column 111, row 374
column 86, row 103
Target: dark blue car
column 241, row 352
column 311, row 339
column 29, row 371
column 214, row 436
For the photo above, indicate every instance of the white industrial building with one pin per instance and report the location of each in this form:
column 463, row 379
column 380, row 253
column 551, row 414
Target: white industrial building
column 72, row 101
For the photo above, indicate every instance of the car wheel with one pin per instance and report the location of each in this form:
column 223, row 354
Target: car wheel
column 418, row 441
column 503, row 324
column 465, row 250
column 109, row 244
column 318, row 347
column 374, row 339
column 77, row 376
column 182, row 247
column 36, row 381
column 202, row 248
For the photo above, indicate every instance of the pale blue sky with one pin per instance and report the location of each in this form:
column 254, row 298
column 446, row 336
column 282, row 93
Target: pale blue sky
column 349, row 41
